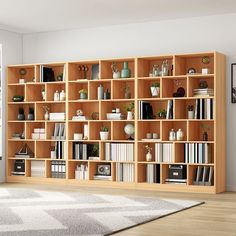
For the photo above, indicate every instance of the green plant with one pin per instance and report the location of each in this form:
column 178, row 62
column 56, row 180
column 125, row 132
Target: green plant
column 83, row 91
column 114, row 67
column 130, row 107
column 43, row 89
column 104, row 129
column 155, row 84
column 190, row 108
column 148, row 148
column 161, row 113
column 95, row 150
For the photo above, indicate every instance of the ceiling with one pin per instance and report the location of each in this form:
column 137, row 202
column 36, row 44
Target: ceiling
column 31, row 16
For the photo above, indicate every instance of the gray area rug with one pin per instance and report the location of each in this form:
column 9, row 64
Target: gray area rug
column 36, row 212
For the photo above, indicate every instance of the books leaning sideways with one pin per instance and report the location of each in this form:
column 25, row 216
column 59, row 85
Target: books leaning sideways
column 203, row 92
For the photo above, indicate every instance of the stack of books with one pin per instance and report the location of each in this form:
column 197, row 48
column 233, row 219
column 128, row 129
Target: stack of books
column 81, row 172
column 203, row 92
column 58, row 169
column 153, row 173
column 102, row 177
column 38, row 169
column 119, row 151
column 164, row 152
column 197, row 153
column 124, row 172
column 176, row 181
column 57, row 116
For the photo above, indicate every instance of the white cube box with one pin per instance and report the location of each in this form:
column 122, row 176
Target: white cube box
column 42, row 136
column 35, row 136
column 205, row 71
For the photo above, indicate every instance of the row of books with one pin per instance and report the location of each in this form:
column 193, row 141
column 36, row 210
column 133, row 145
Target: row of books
column 59, row 131
column 164, row 152
column 153, row 173
column 81, row 172
column 38, row 169
column 204, row 175
column 124, row 172
column 60, row 150
column 119, row 151
column 204, row 109
column 197, row 153
column 84, row 151
column 47, row 74
column 58, row 169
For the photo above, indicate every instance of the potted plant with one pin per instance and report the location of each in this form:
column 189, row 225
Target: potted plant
column 126, row 90
column 104, row 133
column 83, row 94
column 130, row 111
column 46, row 112
column 31, row 114
column 161, row 114
column 148, row 153
column 43, row 94
column 190, row 112
column 21, row 114
column 155, row 89
column 115, row 71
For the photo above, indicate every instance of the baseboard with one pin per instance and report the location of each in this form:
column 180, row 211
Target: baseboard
column 231, row 188
column 2, row 180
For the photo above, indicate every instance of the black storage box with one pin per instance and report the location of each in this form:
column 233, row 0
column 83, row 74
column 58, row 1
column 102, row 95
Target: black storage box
column 177, row 172
column 19, row 166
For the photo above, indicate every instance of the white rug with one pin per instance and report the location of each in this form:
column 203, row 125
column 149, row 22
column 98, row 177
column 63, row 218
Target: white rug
column 36, row 212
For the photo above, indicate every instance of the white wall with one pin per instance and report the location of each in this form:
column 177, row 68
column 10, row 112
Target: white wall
column 11, row 54
column 165, row 37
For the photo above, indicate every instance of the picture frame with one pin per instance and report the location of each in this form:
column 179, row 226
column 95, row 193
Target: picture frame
column 233, row 83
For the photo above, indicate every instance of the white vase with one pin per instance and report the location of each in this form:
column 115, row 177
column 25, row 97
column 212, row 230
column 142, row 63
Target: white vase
column 62, row 95
column 190, row 114
column 116, row 75
column 104, row 135
column 129, row 115
column 180, row 135
column 155, row 91
column 46, row 115
column 44, row 95
column 148, row 156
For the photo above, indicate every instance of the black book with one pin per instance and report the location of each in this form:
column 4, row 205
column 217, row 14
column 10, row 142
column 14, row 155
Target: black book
column 158, row 174
column 48, row 74
column 211, row 108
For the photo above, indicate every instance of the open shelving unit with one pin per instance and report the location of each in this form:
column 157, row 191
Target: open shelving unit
column 96, row 112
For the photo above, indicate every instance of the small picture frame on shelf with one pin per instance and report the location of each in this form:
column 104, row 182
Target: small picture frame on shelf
column 233, row 82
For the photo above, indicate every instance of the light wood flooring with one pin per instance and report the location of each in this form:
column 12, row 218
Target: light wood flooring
column 216, row 217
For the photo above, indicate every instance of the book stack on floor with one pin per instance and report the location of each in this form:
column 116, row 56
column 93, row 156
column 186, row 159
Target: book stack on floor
column 125, row 172
column 164, row 152
column 153, row 173
column 58, row 169
column 197, row 153
column 204, row 175
column 81, row 172
column 119, row 151
column 203, row 92
column 60, row 150
column 84, row 151
column 204, row 109
column 38, row 169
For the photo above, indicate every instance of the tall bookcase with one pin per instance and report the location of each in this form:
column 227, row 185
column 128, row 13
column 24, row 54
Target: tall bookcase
column 139, row 84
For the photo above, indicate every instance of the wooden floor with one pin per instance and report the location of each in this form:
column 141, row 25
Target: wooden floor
column 216, row 217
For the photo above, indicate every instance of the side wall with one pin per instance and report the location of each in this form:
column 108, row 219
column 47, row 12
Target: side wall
column 214, row 33
column 11, row 54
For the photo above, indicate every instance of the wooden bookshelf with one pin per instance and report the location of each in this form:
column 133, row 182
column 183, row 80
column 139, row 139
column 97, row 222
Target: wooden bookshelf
column 96, row 110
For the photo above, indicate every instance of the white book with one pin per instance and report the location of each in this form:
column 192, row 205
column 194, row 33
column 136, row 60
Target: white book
column 208, row 116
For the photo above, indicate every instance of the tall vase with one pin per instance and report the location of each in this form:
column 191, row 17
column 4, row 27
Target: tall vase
column 125, row 72
column 129, row 115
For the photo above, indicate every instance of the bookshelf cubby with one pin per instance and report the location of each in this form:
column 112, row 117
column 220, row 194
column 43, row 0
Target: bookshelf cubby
column 129, row 166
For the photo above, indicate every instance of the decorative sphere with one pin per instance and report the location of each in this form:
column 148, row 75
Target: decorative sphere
column 22, row 71
column 129, row 129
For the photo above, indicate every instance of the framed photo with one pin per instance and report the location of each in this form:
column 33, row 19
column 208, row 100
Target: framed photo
column 233, row 82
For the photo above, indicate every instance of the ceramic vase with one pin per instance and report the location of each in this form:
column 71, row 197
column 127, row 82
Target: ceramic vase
column 116, row 75
column 46, row 115
column 129, row 115
column 148, row 156
column 190, row 114
column 180, row 135
column 104, row 135
column 125, row 73
column 155, row 91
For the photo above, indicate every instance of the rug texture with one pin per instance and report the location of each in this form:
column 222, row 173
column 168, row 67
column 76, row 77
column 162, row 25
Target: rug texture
column 36, row 212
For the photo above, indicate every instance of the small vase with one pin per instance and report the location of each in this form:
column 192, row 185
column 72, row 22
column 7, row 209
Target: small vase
column 148, row 156
column 180, row 135
column 100, row 92
column 129, row 115
column 83, row 96
column 172, row 136
column 116, row 75
column 205, row 136
column 30, row 116
column 190, row 114
column 127, row 95
column 46, row 115
column 155, row 91
column 44, row 95
column 20, row 117
column 62, row 95
column 104, row 135
column 125, row 72
column 56, row 96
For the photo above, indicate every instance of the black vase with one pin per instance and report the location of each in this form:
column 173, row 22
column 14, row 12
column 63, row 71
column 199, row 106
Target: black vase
column 21, row 117
column 30, row 116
